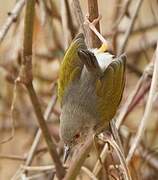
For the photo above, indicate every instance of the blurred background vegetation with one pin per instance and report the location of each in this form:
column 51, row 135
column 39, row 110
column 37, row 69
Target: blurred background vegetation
column 50, row 40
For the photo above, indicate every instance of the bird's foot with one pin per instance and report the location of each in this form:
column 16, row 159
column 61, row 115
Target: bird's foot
column 91, row 25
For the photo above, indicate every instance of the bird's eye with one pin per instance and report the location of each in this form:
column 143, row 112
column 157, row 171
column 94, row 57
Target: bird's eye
column 77, row 136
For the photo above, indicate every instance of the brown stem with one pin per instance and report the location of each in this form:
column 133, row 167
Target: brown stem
column 138, row 98
column 70, row 20
column 93, row 14
column 116, row 10
column 38, row 134
column 123, row 12
column 131, row 25
column 12, row 16
column 12, row 157
column 51, row 145
column 148, row 108
column 25, row 77
column 80, row 19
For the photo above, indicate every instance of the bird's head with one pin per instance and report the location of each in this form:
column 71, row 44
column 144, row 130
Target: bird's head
column 73, row 128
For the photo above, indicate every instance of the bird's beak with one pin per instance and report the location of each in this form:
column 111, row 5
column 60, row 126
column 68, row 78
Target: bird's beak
column 66, row 152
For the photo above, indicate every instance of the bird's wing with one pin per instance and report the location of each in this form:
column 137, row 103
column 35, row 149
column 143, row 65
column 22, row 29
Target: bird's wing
column 71, row 66
column 110, row 87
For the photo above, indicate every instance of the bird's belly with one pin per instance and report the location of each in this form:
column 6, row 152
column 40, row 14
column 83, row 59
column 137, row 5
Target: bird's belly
column 82, row 94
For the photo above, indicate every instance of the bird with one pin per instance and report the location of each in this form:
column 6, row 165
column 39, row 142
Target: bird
column 90, row 89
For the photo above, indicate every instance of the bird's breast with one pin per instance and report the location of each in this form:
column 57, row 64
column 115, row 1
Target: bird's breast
column 82, row 95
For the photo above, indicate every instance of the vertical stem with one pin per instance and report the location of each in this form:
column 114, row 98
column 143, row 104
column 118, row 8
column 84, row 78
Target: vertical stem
column 64, row 19
column 70, row 20
column 130, row 28
column 145, row 119
column 37, row 138
column 80, row 19
column 116, row 9
column 45, row 131
column 11, row 19
column 93, row 14
column 28, row 29
column 26, row 77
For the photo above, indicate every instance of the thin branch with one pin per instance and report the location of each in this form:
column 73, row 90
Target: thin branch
column 148, row 156
column 80, row 19
column 46, row 20
column 12, row 157
column 92, row 15
column 130, row 28
column 45, row 131
column 148, row 108
column 38, row 168
column 12, row 16
column 16, row 175
column 91, row 25
column 143, row 91
column 127, row 104
column 120, row 154
column 70, row 20
column 38, row 176
column 51, row 167
column 64, row 18
column 115, row 14
column 25, row 77
column 89, row 173
column 39, row 133
column 123, row 12
column 12, row 115
column 136, row 31
column 98, row 165
column 53, row 10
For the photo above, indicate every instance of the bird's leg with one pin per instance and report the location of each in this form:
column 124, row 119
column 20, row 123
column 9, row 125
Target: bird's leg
column 102, row 136
column 119, row 153
column 91, row 25
column 95, row 138
column 115, row 135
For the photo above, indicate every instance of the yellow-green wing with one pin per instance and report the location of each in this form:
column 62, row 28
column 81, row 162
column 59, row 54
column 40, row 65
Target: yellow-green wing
column 71, row 66
column 110, row 88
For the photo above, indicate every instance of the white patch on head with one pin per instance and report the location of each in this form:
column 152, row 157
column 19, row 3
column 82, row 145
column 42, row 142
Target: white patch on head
column 103, row 58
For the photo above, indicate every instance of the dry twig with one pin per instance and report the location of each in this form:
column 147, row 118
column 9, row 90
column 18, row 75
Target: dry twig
column 80, row 19
column 120, row 154
column 128, row 103
column 12, row 115
column 64, row 18
column 12, row 157
column 25, row 77
column 130, row 28
column 124, row 11
column 12, row 16
column 148, row 108
column 39, row 133
column 51, row 167
column 92, row 15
